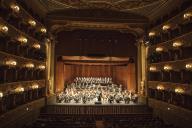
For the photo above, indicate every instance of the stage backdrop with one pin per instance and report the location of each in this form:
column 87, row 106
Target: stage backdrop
column 124, row 75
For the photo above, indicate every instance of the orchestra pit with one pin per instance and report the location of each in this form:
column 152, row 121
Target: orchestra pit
column 95, row 63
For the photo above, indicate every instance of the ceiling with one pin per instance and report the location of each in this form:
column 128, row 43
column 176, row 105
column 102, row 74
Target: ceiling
column 131, row 15
column 121, row 5
column 147, row 8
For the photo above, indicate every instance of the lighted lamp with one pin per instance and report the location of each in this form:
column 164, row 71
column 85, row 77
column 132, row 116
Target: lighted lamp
column 166, row 27
column 159, row 49
column 187, row 15
column 32, row 23
column 179, row 90
column 35, row 86
column 160, row 87
column 43, row 30
column 167, row 68
column 29, row 65
column 36, row 46
column 15, row 8
column 153, row 69
column 188, row 66
column 1, row 94
column 177, row 44
column 19, row 89
column 151, row 34
column 11, row 62
column 4, row 29
column 41, row 67
column 22, row 39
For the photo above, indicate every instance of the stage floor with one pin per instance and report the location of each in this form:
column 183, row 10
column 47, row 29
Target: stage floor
column 104, row 104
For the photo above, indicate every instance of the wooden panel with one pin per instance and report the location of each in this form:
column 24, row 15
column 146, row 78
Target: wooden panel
column 124, row 75
column 59, row 72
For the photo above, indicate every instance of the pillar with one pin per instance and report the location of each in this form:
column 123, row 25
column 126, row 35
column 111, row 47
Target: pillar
column 141, row 67
column 50, row 63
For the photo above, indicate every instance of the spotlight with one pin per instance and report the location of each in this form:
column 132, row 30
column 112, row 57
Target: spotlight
column 167, row 68
column 43, row 30
column 11, row 62
column 179, row 90
column 15, row 8
column 151, row 34
column 32, row 23
column 159, row 49
column 1, row 94
column 153, row 69
column 22, row 39
column 4, row 28
column 160, row 87
column 19, row 89
column 36, row 46
column 41, row 67
column 166, row 27
column 177, row 44
column 29, row 65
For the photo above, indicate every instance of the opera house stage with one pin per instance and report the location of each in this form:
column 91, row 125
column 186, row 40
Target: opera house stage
column 96, row 85
column 95, row 63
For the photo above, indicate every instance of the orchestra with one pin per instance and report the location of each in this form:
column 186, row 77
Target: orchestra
column 94, row 90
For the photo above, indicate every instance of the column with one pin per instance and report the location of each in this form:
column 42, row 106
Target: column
column 50, row 64
column 142, row 68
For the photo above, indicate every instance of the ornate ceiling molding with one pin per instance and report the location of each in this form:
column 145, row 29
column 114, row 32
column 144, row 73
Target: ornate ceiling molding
column 120, row 5
column 120, row 15
column 72, row 25
column 146, row 8
column 150, row 9
column 97, row 15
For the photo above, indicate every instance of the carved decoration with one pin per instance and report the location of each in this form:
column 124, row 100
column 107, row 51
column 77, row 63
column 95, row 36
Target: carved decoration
column 106, row 4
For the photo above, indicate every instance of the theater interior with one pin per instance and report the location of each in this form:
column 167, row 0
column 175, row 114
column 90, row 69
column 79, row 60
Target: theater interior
column 95, row 63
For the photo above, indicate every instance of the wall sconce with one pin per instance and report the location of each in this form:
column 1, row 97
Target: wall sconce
column 35, row 86
column 11, row 62
column 167, row 68
column 15, row 8
column 188, row 66
column 187, row 15
column 43, row 30
column 153, row 69
column 166, row 27
column 36, row 46
column 1, row 94
column 41, row 67
column 32, row 23
column 179, row 90
column 160, row 87
column 151, row 34
column 177, row 44
column 29, row 65
column 4, row 28
column 19, row 89
column 159, row 49
column 22, row 39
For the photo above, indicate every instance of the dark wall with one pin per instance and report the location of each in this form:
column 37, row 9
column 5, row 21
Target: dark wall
column 95, row 43
column 171, row 114
column 23, row 115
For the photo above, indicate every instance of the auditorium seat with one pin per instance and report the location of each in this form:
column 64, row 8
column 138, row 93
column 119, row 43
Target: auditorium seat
column 137, row 120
